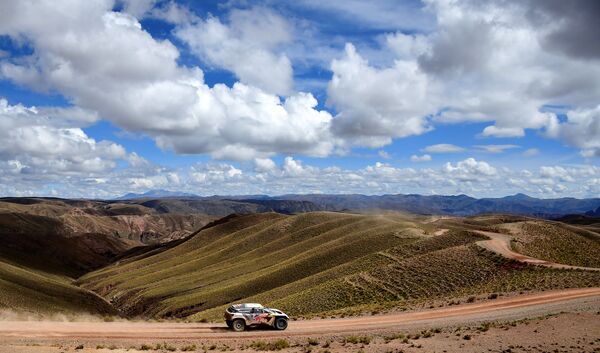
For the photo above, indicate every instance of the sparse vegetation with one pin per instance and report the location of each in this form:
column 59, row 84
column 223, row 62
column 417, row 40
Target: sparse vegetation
column 189, row 348
column 319, row 264
column 358, row 339
column 313, row 342
column 556, row 242
column 276, row 345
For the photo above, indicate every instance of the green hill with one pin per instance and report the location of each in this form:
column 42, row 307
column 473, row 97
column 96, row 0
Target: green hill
column 319, row 262
column 555, row 242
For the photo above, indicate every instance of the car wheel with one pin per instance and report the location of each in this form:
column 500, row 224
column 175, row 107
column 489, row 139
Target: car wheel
column 281, row 323
column 239, row 325
column 229, row 323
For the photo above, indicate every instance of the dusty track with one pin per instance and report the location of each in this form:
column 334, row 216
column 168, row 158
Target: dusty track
column 500, row 244
column 506, row 308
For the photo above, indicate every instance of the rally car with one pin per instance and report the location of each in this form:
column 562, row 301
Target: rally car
column 240, row 316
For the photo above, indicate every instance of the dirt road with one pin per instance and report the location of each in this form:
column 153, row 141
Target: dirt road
column 500, row 244
column 500, row 309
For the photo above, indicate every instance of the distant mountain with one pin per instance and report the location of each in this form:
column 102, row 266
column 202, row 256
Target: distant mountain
column 458, row 205
column 157, row 193
column 593, row 213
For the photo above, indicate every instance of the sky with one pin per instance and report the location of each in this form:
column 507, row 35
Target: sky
column 99, row 98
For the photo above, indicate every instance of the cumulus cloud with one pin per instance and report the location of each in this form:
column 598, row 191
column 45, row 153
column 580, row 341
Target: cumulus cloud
column 376, row 105
column 444, row 148
column 33, row 142
column 91, row 52
column 211, row 173
column 245, row 45
column 497, row 62
column 581, row 129
column 473, row 177
column 264, row 165
column 423, row 158
column 470, row 169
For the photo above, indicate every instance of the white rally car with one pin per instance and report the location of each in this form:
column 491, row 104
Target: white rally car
column 240, row 316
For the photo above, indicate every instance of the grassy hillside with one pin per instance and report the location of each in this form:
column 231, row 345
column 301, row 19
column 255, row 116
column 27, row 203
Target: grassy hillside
column 319, row 262
column 37, row 293
column 47, row 243
column 246, row 256
column 555, row 242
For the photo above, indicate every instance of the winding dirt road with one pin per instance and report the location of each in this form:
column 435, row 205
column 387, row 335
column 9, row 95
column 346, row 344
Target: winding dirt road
column 500, row 244
column 501, row 309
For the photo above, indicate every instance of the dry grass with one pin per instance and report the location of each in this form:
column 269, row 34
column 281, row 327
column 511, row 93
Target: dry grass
column 557, row 243
column 317, row 263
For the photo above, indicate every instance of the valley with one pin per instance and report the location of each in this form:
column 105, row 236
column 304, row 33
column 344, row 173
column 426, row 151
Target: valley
column 114, row 261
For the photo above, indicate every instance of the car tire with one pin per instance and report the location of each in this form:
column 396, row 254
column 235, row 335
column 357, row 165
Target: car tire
column 281, row 323
column 229, row 323
column 238, row 325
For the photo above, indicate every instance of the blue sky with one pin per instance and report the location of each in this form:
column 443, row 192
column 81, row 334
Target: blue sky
column 236, row 97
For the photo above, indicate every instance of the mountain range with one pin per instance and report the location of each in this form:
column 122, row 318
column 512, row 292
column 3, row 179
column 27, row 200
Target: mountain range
column 457, row 205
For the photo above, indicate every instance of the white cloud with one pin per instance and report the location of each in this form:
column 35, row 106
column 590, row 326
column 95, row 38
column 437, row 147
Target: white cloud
column 33, row 142
column 470, row 169
column 497, row 62
column 581, row 129
column 423, row 158
column 376, row 105
column 383, row 154
column 246, row 45
column 90, row 52
column 530, row 152
column 495, row 148
column 264, row 165
column 557, row 172
column 470, row 176
column 444, row 148
column 214, row 173
column 294, row 168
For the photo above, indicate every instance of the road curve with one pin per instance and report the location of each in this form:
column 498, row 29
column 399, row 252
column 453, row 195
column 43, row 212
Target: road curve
column 505, row 308
column 500, row 244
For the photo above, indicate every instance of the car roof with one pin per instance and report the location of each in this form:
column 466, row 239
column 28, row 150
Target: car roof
column 247, row 305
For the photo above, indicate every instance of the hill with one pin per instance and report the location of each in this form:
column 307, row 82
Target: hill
column 38, row 264
column 47, row 243
column 321, row 262
column 133, row 223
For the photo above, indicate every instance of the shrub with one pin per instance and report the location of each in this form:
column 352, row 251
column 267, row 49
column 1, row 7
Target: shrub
column 270, row 346
column 358, row 339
